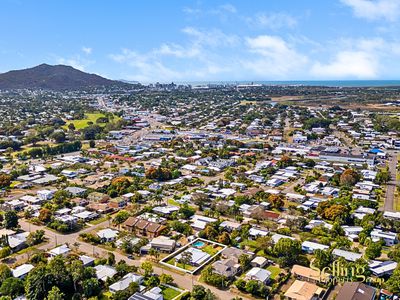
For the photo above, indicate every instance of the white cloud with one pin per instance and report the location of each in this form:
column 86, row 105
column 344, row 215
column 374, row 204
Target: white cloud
column 75, row 61
column 272, row 20
column 71, row 62
column 87, row 50
column 375, row 10
column 199, row 58
column 227, row 8
column 274, row 57
column 348, row 64
column 177, row 51
column 213, row 37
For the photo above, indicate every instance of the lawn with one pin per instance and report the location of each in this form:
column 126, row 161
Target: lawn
column 90, row 117
column 250, row 243
column 172, row 261
column 169, row 293
column 173, row 202
column 210, row 249
column 274, row 271
column 99, row 220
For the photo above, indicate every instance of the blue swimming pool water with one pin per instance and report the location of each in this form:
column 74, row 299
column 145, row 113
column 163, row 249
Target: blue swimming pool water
column 199, row 244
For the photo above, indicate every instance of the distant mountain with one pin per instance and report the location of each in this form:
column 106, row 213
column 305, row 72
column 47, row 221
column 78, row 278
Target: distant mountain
column 58, row 77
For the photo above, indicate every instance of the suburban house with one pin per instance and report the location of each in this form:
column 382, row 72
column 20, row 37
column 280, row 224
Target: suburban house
column 310, row 247
column 143, row 227
column 258, row 274
column 390, row 238
column 356, row 290
column 103, row 272
column 107, row 235
column 22, row 270
column 61, row 250
column 198, row 257
column 302, row 290
column 307, row 274
column 163, row 243
column 124, row 283
column 98, row 197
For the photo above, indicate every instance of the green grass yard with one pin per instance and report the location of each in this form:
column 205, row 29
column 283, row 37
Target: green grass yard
column 90, row 117
column 210, row 249
column 169, row 293
column 274, row 271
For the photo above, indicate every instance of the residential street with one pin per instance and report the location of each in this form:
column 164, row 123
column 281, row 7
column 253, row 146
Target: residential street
column 391, row 186
column 184, row 281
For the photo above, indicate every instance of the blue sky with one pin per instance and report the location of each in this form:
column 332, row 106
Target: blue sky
column 208, row 40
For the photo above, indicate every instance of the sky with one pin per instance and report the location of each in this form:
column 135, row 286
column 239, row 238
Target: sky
column 205, row 40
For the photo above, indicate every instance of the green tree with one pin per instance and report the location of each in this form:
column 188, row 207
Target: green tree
column 287, row 250
column 5, row 272
column 322, row 258
column 35, row 237
column 111, row 259
column 37, row 283
column 55, row 294
column 393, row 283
column 58, row 136
column 10, row 219
column 147, row 267
column 201, row 293
column 5, row 251
column 373, row 250
column 186, row 258
column 166, row 278
column 12, row 287
column 91, row 287
column 120, row 217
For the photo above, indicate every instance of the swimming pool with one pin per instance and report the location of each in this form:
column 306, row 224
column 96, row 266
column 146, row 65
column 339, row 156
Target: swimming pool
column 199, row 244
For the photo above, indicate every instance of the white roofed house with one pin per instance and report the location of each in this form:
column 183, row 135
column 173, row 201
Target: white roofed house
column 362, row 211
column 352, row 232
column 199, row 222
column 45, row 194
column 15, row 204
column 390, row 238
column 258, row 274
column 108, row 235
column 163, row 243
column 18, row 241
column 254, row 233
column 276, row 237
column 86, row 260
column 316, row 223
column 347, row 255
column 310, row 247
column 31, row 200
column 86, row 215
column 22, row 270
column 382, row 268
column 61, row 250
column 103, row 272
column 230, row 226
column 75, row 191
column 124, row 283
column 391, row 215
column 198, row 257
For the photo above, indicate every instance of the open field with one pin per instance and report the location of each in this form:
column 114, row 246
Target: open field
column 90, row 117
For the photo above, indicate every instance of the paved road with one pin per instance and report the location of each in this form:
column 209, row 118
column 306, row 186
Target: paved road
column 183, row 281
column 391, row 186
